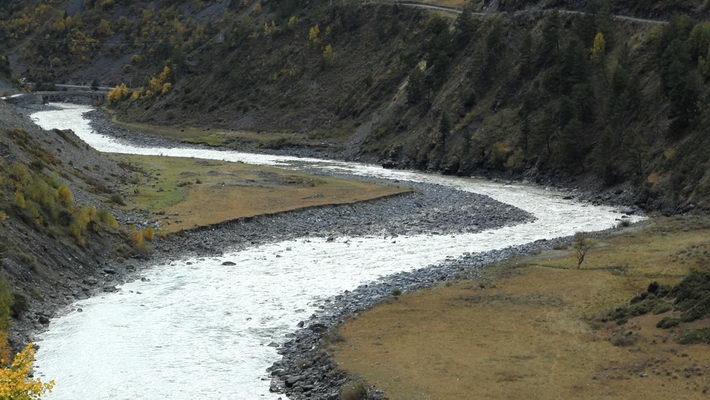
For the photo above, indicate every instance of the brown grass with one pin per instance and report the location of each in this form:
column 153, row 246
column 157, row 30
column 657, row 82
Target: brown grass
column 184, row 193
column 530, row 333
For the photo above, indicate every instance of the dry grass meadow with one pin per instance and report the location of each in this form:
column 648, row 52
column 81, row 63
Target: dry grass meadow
column 531, row 330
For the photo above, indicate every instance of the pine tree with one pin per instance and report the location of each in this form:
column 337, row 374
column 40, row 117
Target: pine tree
column 465, row 27
column 415, row 86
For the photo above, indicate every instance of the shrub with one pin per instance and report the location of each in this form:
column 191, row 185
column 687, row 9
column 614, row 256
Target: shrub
column 20, row 199
column 5, row 305
column 149, row 233
column 661, row 307
column 328, row 56
column 19, row 304
column 353, row 390
column 116, row 198
column 65, row 196
column 624, row 223
column 138, row 239
column 107, row 218
column 19, row 173
column 313, row 33
column 625, row 340
column 695, row 336
column 668, row 322
column 692, row 296
column 81, row 222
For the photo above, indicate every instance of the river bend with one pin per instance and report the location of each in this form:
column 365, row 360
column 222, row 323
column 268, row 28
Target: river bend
column 197, row 329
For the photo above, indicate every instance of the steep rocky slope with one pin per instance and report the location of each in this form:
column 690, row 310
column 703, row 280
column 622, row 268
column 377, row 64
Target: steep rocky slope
column 59, row 239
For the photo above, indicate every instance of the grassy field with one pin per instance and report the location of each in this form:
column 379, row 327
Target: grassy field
column 531, row 329
column 183, row 193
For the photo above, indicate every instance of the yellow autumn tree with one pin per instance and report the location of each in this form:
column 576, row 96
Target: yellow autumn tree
column 313, row 34
column 118, row 93
column 328, row 55
column 161, row 84
column 292, row 21
column 15, row 381
column 598, row 47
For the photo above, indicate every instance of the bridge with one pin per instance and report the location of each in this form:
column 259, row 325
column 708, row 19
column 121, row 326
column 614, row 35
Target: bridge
column 92, row 97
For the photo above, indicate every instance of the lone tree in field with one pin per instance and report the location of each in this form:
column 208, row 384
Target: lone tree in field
column 581, row 245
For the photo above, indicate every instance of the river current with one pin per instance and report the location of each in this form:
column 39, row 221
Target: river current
column 197, row 329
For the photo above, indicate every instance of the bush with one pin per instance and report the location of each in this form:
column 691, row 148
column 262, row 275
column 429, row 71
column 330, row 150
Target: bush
column 661, row 307
column 107, row 218
column 668, row 322
column 695, row 336
column 5, row 306
column 65, row 196
column 19, row 304
column 149, row 233
column 692, row 296
column 138, row 239
column 116, row 198
column 625, row 340
column 353, row 390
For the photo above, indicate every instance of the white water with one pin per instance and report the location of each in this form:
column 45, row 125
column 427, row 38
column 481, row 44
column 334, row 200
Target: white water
column 199, row 330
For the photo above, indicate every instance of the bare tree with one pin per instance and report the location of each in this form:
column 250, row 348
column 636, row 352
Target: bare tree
column 581, row 244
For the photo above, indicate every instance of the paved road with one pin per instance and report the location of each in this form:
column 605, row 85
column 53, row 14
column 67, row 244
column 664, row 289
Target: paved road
column 82, row 87
column 454, row 10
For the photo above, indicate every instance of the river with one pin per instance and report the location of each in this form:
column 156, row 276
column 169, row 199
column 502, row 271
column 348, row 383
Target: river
column 197, row 329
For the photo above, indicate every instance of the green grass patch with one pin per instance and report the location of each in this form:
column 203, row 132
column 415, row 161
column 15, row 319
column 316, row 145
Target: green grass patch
column 183, row 193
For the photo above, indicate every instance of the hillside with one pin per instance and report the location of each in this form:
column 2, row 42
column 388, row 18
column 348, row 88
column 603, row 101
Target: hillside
column 59, row 238
column 576, row 99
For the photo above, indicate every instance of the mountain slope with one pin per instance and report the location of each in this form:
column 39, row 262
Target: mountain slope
column 582, row 99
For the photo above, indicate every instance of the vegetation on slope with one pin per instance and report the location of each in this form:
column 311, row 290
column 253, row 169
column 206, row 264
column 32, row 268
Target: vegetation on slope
column 538, row 94
column 640, row 8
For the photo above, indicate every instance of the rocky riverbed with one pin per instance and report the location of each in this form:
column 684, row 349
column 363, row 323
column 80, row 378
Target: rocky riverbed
column 305, row 371
column 430, row 209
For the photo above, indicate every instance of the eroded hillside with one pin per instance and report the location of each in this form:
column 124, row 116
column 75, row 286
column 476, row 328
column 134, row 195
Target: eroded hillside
column 59, row 237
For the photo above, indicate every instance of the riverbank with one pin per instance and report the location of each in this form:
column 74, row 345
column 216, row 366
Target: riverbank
column 541, row 327
column 308, row 370
column 432, row 211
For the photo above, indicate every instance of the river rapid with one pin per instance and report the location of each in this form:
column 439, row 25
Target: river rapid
column 196, row 328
